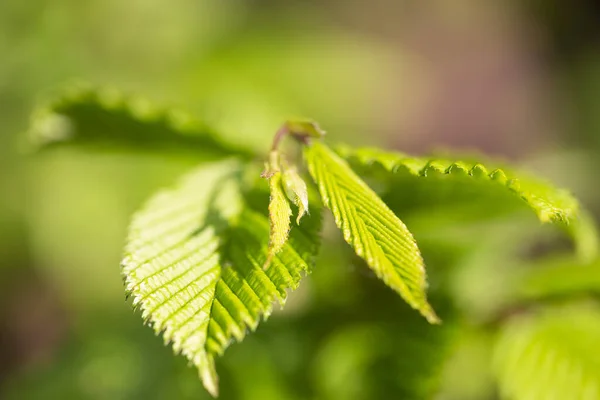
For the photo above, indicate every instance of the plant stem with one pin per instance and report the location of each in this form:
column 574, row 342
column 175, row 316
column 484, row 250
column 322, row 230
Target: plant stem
column 302, row 131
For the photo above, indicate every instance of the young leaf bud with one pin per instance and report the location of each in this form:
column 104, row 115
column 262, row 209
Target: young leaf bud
column 295, row 189
column 305, row 128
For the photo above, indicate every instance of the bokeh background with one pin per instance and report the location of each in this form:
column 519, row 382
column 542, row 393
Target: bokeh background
column 517, row 80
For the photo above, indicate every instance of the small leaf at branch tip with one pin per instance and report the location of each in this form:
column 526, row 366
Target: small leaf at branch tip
column 280, row 213
column 305, row 127
column 296, row 191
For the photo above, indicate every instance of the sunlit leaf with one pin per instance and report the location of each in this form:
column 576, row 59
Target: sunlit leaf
column 111, row 120
column 558, row 277
column 554, row 355
column 296, row 191
column 550, row 204
column 370, row 227
column 280, row 213
column 194, row 261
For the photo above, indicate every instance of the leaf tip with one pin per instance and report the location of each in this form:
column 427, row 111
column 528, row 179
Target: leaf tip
column 210, row 379
column 431, row 316
column 428, row 312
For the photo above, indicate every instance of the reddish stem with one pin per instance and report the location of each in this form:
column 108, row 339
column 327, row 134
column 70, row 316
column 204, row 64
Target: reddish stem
column 283, row 131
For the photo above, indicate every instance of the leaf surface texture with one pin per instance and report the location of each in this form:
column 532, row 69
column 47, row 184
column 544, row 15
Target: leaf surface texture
column 554, row 355
column 194, row 260
column 370, row 227
column 280, row 214
column 549, row 203
column 106, row 119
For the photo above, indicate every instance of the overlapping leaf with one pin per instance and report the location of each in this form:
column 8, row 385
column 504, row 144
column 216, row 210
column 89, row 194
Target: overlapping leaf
column 109, row 119
column 471, row 178
column 551, row 356
column 296, row 191
column 194, row 262
column 280, row 214
column 370, row 227
column 549, row 203
column 558, row 277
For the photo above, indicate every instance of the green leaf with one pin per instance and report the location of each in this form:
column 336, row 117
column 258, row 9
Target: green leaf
column 558, row 276
column 296, row 191
column 280, row 214
column 108, row 119
column 554, row 355
column 370, row 227
column 584, row 233
column 473, row 191
column 549, row 203
column 194, row 260
column 305, row 127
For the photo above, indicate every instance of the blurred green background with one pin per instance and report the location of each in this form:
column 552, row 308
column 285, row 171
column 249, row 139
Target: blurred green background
column 516, row 80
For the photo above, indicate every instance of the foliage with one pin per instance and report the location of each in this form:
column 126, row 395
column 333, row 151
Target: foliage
column 105, row 118
column 376, row 234
column 280, row 213
column 549, row 203
column 536, row 358
column 206, row 259
column 194, row 265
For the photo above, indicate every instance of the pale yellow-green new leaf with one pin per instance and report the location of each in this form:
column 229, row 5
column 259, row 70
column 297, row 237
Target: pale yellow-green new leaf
column 280, row 213
column 370, row 227
column 296, row 191
column 194, row 260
